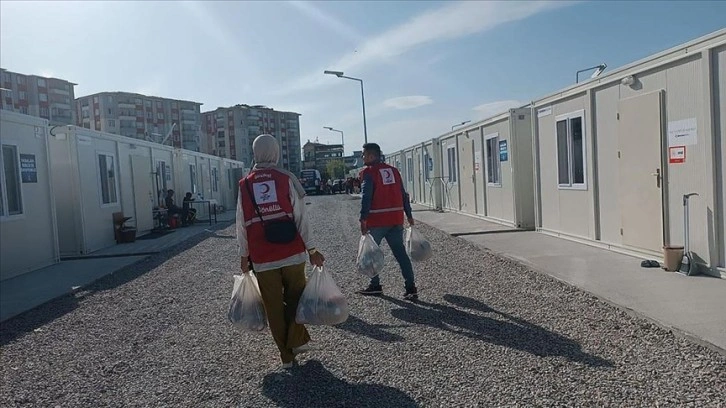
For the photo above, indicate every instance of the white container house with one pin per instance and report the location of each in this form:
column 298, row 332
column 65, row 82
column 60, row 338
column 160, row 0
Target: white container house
column 97, row 174
column 28, row 231
column 615, row 155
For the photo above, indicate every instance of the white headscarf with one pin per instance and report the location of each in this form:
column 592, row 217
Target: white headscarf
column 266, row 151
column 267, row 154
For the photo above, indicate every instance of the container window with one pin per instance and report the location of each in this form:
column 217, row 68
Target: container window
column 494, row 173
column 107, row 172
column 571, row 155
column 453, row 169
column 409, row 169
column 11, row 200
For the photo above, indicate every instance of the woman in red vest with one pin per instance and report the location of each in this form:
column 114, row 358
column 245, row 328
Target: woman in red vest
column 274, row 237
column 383, row 205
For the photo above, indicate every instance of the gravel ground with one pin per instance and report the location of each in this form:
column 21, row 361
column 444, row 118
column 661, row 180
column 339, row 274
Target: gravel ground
column 486, row 332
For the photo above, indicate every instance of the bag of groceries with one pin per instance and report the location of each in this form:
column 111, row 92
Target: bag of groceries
column 322, row 302
column 370, row 257
column 417, row 247
column 246, row 309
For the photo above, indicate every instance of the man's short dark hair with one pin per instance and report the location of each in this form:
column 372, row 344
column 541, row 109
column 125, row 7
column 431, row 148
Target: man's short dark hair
column 373, row 148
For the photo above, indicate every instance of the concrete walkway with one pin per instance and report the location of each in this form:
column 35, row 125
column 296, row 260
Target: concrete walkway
column 27, row 291
column 693, row 306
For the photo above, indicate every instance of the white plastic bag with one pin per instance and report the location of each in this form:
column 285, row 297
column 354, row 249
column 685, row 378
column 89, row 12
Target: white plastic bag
column 417, row 247
column 321, row 302
column 246, row 309
column 370, row 257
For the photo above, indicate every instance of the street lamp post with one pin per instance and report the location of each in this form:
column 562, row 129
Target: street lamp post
column 342, row 136
column 339, row 74
column 460, row 124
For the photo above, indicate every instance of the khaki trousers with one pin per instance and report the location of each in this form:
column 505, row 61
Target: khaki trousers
column 281, row 290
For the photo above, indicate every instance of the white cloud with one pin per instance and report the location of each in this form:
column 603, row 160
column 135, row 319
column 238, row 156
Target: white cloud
column 490, row 109
column 408, row 102
column 328, row 20
column 452, row 21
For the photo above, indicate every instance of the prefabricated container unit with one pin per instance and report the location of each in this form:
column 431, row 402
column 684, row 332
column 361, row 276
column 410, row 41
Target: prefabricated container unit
column 28, row 230
column 234, row 172
column 417, row 165
column 97, row 174
column 487, row 168
column 614, row 156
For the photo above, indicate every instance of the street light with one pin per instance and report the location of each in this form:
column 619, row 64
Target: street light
column 342, row 136
column 339, row 74
column 460, row 124
column 600, row 69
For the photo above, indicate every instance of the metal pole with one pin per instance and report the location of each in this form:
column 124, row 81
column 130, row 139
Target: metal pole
column 363, row 101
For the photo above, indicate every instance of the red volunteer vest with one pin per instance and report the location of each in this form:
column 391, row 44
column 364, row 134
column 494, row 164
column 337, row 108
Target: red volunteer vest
column 271, row 189
column 387, row 203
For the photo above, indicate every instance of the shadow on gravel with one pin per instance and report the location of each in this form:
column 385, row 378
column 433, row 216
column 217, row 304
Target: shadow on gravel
column 374, row 331
column 18, row 326
column 506, row 331
column 312, row 385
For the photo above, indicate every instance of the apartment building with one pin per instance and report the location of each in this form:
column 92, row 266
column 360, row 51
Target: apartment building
column 174, row 122
column 34, row 95
column 318, row 155
column 229, row 133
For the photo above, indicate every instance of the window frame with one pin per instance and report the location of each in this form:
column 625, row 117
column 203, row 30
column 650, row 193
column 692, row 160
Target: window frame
column 117, row 202
column 495, row 154
column 571, row 185
column 409, row 169
column 215, row 179
column 5, row 214
column 452, row 164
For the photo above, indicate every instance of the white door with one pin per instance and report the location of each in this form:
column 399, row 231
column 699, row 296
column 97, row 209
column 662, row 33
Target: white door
column 467, row 176
column 639, row 150
column 143, row 193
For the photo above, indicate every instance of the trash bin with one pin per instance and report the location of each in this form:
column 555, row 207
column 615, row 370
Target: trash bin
column 673, row 256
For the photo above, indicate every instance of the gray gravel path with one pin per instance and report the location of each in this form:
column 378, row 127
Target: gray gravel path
column 487, row 332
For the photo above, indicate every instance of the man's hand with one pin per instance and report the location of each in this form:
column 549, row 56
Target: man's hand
column 317, row 259
column 411, row 222
column 363, row 227
column 245, row 264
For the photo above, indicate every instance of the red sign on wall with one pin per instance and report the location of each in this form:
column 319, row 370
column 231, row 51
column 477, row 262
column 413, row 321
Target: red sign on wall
column 677, row 154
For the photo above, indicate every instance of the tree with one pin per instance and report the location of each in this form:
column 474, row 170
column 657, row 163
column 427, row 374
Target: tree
column 336, row 169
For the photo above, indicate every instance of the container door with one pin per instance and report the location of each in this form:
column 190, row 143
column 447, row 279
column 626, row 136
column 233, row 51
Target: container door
column 143, row 193
column 640, row 164
column 467, row 176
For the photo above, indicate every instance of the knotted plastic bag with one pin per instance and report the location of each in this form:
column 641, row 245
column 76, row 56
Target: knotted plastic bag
column 246, row 309
column 370, row 257
column 417, row 247
column 322, row 302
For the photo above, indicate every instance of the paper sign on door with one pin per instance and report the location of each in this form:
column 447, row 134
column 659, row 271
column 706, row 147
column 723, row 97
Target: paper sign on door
column 677, row 154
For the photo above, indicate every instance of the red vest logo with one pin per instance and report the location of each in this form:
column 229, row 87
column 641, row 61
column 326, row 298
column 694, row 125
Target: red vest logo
column 265, row 192
column 387, row 176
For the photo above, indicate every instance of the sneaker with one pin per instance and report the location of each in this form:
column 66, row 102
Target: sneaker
column 303, row 349
column 411, row 294
column 372, row 290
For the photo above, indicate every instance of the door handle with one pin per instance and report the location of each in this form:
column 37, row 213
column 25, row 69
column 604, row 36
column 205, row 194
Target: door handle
column 657, row 177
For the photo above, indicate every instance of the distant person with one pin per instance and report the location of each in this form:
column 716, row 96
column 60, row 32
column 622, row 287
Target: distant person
column 171, row 208
column 383, row 205
column 189, row 214
column 271, row 193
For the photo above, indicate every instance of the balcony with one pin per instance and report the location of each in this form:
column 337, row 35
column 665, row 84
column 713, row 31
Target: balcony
column 126, row 105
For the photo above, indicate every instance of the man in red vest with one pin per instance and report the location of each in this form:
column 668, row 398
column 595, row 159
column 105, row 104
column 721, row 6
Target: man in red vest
column 383, row 204
column 274, row 236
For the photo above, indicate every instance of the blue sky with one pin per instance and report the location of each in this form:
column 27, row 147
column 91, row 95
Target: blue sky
column 426, row 65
